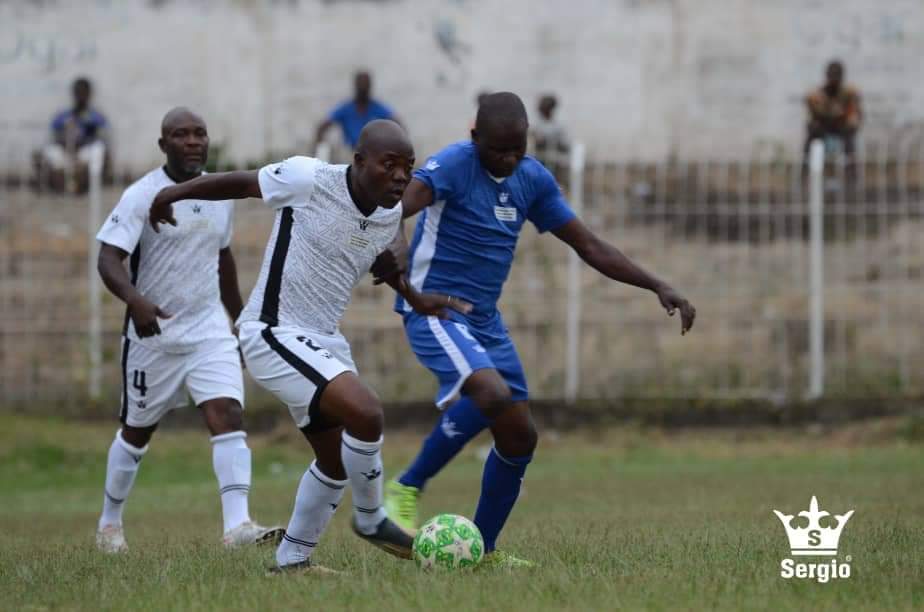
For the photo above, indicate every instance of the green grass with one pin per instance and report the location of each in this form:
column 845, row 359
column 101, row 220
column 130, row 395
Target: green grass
column 622, row 519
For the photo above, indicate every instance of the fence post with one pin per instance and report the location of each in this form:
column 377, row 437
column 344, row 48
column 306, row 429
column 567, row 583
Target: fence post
column 323, row 151
column 94, row 289
column 816, row 271
column 573, row 323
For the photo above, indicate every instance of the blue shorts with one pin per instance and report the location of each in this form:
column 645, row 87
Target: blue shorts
column 454, row 348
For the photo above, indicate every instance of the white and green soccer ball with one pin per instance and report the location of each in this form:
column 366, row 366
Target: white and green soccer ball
column 448, row 541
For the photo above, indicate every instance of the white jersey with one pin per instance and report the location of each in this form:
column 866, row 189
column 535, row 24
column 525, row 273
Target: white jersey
column 177, row 269
column 320, row 247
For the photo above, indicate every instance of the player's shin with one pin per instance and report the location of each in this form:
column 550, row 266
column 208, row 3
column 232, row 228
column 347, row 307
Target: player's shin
column 121, row 469
column 500, row 487
column 363, row 464
column 459, row 423
column 315, row 503
column 231, row 460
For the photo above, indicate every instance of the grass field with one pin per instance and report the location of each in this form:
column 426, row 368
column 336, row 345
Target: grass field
column 621, row 519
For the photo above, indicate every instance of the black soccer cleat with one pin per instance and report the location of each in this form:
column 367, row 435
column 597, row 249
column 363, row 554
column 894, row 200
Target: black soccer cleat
column 302, row 567
column 390, row 538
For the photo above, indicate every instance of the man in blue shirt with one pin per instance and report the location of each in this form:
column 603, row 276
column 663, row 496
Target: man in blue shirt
column 476, row 196
column 75, row 135
column 353, row 115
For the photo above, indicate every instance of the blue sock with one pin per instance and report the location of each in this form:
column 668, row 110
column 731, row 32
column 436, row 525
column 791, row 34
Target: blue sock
column 500, row 487
column 460, row 423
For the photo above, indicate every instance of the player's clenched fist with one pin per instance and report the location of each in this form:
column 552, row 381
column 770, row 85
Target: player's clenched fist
column 162, row 209
column 144, row 314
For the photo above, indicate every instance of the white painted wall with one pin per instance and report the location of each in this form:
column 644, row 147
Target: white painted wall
column 637, row 78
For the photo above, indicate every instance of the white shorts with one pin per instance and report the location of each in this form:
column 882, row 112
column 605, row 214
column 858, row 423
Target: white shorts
column 155, row 382
column 295, row 364
column 57, row 157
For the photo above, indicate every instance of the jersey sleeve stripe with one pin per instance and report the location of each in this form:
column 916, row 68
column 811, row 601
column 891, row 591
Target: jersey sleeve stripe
column 423, row 254
column 269, row 312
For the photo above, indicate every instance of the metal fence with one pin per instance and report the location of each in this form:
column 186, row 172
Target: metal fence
column 735, row 237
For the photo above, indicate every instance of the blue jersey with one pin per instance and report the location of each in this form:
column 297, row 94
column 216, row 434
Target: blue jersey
column 352, row 122
column 464, row 242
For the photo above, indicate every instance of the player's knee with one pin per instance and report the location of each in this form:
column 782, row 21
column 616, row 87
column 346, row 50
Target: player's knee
column 493, row 400
column 518, row 439
column 223, row 416
column 530, row 438
column 364, row 418
column 138, row 437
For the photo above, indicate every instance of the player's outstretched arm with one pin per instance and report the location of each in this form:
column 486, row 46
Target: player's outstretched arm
column 430, row 304
column 221, row 186
column 143, row 312
column 609, row 261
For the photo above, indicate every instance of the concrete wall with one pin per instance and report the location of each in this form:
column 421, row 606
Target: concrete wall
column 637, row 78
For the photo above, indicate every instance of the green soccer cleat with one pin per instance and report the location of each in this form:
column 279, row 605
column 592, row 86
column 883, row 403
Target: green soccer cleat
column 401, row 505
column 499, row 559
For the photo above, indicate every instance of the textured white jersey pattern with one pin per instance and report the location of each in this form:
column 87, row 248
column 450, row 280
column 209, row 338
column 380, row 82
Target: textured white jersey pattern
column 177, row 269
column 320, row 247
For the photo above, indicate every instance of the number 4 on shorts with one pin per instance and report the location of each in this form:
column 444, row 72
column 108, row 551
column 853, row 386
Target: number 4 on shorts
column 138, row 382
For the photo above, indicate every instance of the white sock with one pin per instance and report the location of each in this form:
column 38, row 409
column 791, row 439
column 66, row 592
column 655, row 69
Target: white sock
column 363, row 464
column 231, row 460
column 315, row 503
column 121, row 468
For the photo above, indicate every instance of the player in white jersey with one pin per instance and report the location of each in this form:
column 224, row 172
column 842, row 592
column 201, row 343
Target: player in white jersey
column 182, row 277
column 331, row 223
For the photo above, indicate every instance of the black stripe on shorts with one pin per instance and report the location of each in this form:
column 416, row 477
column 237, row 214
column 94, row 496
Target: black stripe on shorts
column 123, row 413
column 304, row 368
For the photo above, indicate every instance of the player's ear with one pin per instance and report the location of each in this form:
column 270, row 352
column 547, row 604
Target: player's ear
column 474, row 135
column 161, row 144
column 358, row 159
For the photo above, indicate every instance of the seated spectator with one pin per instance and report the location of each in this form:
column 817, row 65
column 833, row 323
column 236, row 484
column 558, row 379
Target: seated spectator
column 550, row 140
column 353, row 115
column 76, row 133
column 834, row 111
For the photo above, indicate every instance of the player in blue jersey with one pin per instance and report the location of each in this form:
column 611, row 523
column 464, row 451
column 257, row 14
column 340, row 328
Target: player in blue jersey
column 476, row 197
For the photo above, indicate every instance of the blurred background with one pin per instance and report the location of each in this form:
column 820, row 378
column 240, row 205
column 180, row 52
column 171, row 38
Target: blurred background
column 678, row 128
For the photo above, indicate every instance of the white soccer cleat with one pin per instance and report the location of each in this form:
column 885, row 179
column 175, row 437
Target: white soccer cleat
column 249, row 533
column 111, row 540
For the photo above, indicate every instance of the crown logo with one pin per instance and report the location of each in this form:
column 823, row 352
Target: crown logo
column 813, row 539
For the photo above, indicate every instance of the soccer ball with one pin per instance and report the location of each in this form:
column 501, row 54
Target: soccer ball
column 449, row 541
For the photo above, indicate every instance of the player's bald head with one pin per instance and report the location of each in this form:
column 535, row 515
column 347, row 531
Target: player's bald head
column 383, row 163
column 381, row 136
column 177, row 116
column 501, row 110
column 184, row 139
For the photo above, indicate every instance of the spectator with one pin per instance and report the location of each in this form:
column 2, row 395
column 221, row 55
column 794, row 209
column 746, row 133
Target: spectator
column 353, row 115
column 75, row 134
column 550, row 141
column 834, row 110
